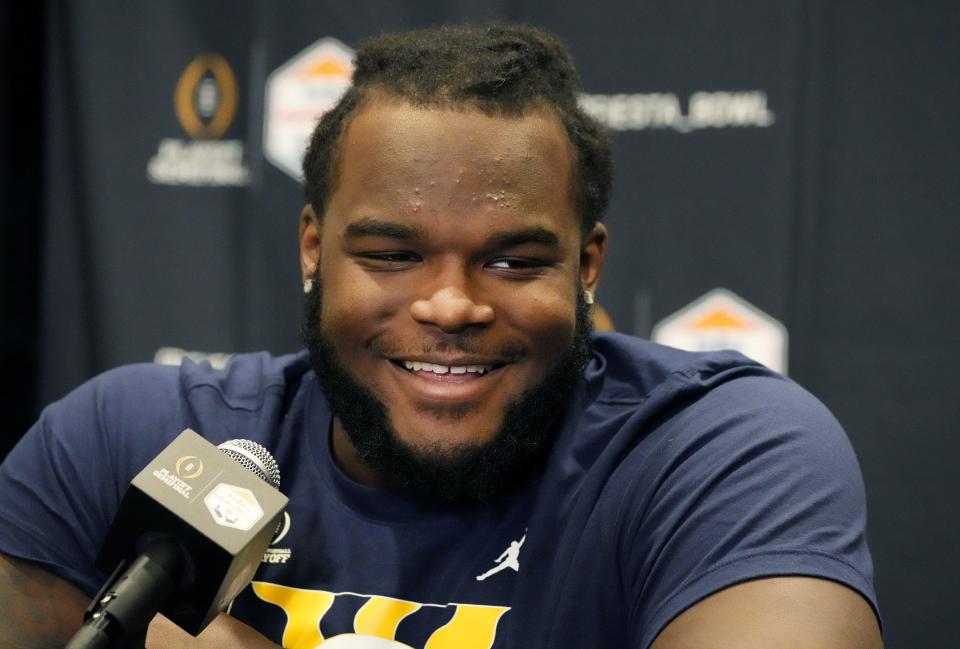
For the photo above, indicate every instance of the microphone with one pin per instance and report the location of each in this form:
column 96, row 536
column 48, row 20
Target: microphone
column 188, row 537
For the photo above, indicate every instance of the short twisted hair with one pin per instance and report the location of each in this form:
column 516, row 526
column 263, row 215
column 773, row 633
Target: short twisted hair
column 498, row 69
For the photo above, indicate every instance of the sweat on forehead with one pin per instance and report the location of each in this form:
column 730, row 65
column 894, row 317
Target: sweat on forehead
column 454, row 145
column 396, row 159
column 496, row 69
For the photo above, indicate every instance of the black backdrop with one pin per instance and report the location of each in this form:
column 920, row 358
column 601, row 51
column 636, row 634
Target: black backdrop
column 831, row 204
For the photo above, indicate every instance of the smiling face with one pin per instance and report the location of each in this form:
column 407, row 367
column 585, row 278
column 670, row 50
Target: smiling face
column 450, row 258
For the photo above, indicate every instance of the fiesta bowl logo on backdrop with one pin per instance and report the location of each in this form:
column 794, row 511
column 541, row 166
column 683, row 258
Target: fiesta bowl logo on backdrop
column 297, row 94
column 665, row 110
column 721, row 319
column 175, row 355
column 205, row 102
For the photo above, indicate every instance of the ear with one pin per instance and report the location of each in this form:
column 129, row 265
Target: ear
column 593, row 251
column 310, row 239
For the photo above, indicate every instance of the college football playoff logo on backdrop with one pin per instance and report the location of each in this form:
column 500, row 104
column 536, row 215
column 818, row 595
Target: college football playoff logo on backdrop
column 205, row 100
column 206, row 97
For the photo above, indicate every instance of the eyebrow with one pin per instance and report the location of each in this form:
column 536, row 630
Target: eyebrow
column 534, row 234
column 370, row 227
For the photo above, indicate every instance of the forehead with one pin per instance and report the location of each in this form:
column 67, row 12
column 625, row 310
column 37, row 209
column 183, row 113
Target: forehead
column 457, row 158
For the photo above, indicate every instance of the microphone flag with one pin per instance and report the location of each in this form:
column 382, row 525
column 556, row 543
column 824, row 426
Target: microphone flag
column 221, row 514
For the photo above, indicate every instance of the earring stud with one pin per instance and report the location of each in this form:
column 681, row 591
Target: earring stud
column 307, row 285
column 588, row 296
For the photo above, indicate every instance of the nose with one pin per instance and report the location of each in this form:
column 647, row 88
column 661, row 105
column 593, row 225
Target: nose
column 451, row 310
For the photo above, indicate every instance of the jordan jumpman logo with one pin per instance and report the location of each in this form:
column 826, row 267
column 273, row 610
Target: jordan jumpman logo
column 509, row 559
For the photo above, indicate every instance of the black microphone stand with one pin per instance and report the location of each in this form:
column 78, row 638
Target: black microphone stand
column 119, row 614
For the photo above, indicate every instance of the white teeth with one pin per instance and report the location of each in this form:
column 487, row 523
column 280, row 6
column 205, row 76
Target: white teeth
column 418, row 366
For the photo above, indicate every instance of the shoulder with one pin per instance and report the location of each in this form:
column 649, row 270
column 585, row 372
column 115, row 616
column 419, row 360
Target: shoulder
column 246, row 381
column 689, row 416
column 627, row 369
column 135, row 410
column 243, row 383
column 642, row 402
column 732, row 472
column 635, row 372
column 80, row 456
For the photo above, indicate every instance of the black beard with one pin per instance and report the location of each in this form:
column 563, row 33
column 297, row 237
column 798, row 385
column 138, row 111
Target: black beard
column 464, row 474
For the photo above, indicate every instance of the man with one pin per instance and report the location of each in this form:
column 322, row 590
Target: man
column 467, row 467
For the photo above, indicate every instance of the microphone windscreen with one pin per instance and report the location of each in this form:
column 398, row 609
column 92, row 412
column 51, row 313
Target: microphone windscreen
column 253, row 457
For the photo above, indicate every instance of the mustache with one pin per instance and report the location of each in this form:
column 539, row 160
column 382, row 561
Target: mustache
column 466, row 344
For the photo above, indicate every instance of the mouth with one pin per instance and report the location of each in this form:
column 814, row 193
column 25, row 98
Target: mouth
column 459, row 371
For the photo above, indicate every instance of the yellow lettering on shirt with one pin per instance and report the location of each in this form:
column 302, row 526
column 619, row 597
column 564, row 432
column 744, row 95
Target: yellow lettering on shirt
column 381, row 616
column 472, row 627
column 304, row 609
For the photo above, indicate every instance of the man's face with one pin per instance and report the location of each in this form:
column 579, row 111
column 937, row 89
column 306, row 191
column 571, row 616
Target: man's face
column 450, row 258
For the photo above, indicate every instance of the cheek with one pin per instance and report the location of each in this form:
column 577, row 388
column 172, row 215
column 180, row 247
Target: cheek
column 548, row 320
column 352, row 300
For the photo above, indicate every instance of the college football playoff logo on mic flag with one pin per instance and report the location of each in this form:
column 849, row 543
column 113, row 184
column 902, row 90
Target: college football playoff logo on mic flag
column 189, row 467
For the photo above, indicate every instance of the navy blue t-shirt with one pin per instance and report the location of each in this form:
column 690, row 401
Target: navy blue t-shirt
column 673, row 475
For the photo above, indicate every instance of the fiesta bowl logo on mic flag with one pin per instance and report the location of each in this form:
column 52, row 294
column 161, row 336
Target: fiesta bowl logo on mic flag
column 205, row 99
column 233, row 506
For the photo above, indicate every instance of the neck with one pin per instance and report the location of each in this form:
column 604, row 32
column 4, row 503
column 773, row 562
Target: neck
column 345, row 455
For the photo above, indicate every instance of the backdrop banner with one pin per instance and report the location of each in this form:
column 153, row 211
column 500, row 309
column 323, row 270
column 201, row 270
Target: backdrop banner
column 174, row 173
column 798, row 155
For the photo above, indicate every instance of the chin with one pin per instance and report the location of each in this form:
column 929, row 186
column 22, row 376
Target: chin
column 441, row 441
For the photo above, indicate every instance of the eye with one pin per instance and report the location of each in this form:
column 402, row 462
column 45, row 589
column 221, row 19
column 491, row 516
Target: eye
column 519, row 266
column 390, row 260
